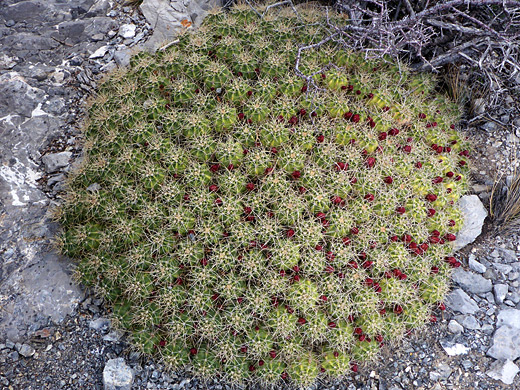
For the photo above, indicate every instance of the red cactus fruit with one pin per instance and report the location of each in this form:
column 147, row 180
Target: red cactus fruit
column 435, row 270
column 346, row 240
column 358, row 331
column 320, row 138
column 369, row 197
column 289, row 233
column 407, row 149
column 332, row 324
column 388, row 180
column 318, row 247
column 348, row 115
column 302, row 321
column 450, row 237
column 250, row 186
column 367, row 264
column 431, row 197
column 353, row 264
column 430, row 212
column 193, row 351
column 398, row 309
column 393, row 131
column 324, row 298
column 370, row 162
column 354, row 230
column 400, row 210
column 355, row 118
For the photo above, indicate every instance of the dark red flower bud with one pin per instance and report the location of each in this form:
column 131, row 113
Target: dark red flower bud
column 431, row 197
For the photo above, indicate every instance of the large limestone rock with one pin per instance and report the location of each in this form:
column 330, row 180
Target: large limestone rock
column 474, row 215
column 167, row 17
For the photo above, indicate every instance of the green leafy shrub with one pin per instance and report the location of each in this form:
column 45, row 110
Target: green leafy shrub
column 253, row 225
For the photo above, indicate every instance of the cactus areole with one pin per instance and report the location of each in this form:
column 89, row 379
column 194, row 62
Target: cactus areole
column 255, row 225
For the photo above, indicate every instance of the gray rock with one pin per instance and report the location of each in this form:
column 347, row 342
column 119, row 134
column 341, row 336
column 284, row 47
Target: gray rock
column 503, row 370
column 487, row 329
column 25, row 11
column 127, row 31
column 489, row 126
column 506, row 343
column 503, row 268
column 100, row 52
column 45, row 292
column 471, row 282
column 509, row 317
column 94, row 187
column 112, row 336
column 508, row 255
column 16, row 96
column 474, row 215
column 100, row 7
column 165, row 17
column 100, row 324
column 455, row 327
column 55, row 161
column 443, row 371
column 476, row 266
column 459, row 301
column 454, row 349
column 500, row 291
column 122, row 57
column 470, row 322
column 7, row 62
column 117, row 375
column 25, row 350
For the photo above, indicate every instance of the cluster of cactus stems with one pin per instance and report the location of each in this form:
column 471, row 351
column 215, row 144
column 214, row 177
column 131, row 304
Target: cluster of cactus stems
column 250, row 226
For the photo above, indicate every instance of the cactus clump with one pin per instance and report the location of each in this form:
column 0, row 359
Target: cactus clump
column 259, row 225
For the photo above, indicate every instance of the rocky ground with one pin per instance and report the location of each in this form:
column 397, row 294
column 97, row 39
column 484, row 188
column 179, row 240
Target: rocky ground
column 53, row 335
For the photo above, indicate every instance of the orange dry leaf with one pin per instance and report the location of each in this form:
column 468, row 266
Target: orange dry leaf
column 186, row 23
